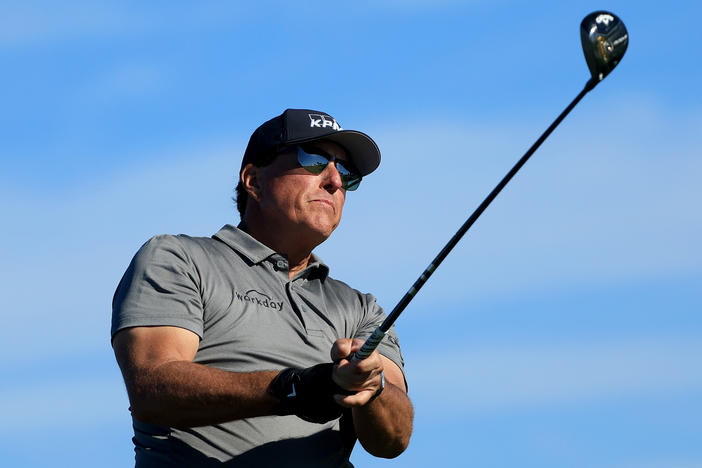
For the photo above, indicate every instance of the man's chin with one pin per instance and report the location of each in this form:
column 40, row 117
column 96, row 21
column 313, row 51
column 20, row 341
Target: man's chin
column 318, row 233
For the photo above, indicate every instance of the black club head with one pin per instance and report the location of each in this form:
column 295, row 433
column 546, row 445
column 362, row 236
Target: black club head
column 604, row 38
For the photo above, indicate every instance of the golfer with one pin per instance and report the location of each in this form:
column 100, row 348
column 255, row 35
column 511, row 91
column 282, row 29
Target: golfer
column 236, row 349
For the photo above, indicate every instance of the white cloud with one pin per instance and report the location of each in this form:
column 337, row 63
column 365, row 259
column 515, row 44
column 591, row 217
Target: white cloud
column 597, row 203
column 42, row 21
column 130, row 80
column 59, row 404
column 508, row 376
column 480, row 379
column 428, row 4
column 670, row 462
column 78, row 244
column 576, row 215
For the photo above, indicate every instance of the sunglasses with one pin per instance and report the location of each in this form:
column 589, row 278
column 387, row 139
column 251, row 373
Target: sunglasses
column 316, row 160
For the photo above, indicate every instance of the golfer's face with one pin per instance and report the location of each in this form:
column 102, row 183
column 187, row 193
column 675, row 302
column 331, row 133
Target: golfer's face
column 310, row 201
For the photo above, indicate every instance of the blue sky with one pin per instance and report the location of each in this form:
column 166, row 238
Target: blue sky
column 564, row 330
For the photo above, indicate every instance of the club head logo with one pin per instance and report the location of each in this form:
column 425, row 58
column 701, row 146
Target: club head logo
column 323, row 121
column 604, row 18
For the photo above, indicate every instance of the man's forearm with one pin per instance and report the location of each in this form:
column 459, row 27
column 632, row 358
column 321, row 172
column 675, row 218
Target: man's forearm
column 384, row 425
column 185, row 394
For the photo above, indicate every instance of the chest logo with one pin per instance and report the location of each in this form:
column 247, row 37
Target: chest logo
column 259, row 299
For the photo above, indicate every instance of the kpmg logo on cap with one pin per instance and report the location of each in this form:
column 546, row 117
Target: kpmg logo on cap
column 322, row 121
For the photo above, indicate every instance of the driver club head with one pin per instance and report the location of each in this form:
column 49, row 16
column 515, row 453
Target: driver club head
column 604, row 38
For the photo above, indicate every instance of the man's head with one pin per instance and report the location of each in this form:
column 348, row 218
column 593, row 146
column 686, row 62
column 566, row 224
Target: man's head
column 303, row 127
column 287, row 198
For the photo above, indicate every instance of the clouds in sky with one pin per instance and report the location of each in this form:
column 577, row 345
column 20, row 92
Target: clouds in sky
column 576, row 214
column 515, row 376
column 577, row 289
column 583, row 209
column 43, row 22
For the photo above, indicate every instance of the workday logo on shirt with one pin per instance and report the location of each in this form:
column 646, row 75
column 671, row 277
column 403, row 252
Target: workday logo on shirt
column 259, row 299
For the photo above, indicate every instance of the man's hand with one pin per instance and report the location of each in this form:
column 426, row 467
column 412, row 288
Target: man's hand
column 383, row 424
column 361, row 377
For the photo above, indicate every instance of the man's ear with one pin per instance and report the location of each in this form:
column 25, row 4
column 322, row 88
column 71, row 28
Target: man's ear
column 251, row 180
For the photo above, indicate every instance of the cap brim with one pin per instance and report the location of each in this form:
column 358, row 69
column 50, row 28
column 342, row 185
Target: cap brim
column 361, row 149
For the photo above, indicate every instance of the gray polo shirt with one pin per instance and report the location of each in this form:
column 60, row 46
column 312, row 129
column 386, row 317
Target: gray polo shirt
column 236, row 295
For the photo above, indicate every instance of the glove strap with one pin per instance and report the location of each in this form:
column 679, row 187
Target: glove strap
column 307, row 393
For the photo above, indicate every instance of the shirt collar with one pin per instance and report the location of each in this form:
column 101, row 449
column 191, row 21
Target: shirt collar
column 256, row 252
column 316, row 269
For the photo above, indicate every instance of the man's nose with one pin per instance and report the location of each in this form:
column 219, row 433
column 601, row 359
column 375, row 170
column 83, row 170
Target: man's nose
column 332, row 178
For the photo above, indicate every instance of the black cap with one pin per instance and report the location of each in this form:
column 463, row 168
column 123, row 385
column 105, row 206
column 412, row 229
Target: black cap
column 303, row 125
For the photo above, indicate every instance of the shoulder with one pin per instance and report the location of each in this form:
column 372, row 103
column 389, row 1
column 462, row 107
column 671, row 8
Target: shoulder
column 179, row 246
column 183, row 241
column 166, row 255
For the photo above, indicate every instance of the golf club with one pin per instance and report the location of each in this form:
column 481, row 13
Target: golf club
column 604, row 40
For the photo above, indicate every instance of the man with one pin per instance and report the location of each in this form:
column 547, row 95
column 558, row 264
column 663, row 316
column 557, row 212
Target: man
column 237, row 350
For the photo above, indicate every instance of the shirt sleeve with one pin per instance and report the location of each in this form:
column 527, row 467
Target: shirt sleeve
column 161, row 287
column 390, row 346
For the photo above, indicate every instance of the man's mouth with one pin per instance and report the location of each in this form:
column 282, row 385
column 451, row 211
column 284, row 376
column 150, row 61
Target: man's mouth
column 328, row 203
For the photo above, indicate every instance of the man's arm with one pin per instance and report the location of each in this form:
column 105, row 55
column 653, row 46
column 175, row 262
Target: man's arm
column 166, row 388
column 384, row 424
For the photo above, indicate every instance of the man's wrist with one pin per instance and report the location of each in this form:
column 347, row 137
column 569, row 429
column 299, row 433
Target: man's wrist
column 307, row 393
column 380, row 389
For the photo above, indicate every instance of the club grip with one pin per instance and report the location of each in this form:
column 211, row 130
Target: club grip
column 369, row 346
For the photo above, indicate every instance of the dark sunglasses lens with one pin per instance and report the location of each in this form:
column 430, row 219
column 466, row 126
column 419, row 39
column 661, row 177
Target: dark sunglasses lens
column 351, row 184
column 349, row 179
column 316, row 163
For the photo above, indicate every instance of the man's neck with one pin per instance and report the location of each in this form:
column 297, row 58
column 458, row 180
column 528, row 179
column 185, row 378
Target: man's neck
column 284, row 242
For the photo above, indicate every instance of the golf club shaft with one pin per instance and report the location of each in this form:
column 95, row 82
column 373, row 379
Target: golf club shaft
column 374, row 340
